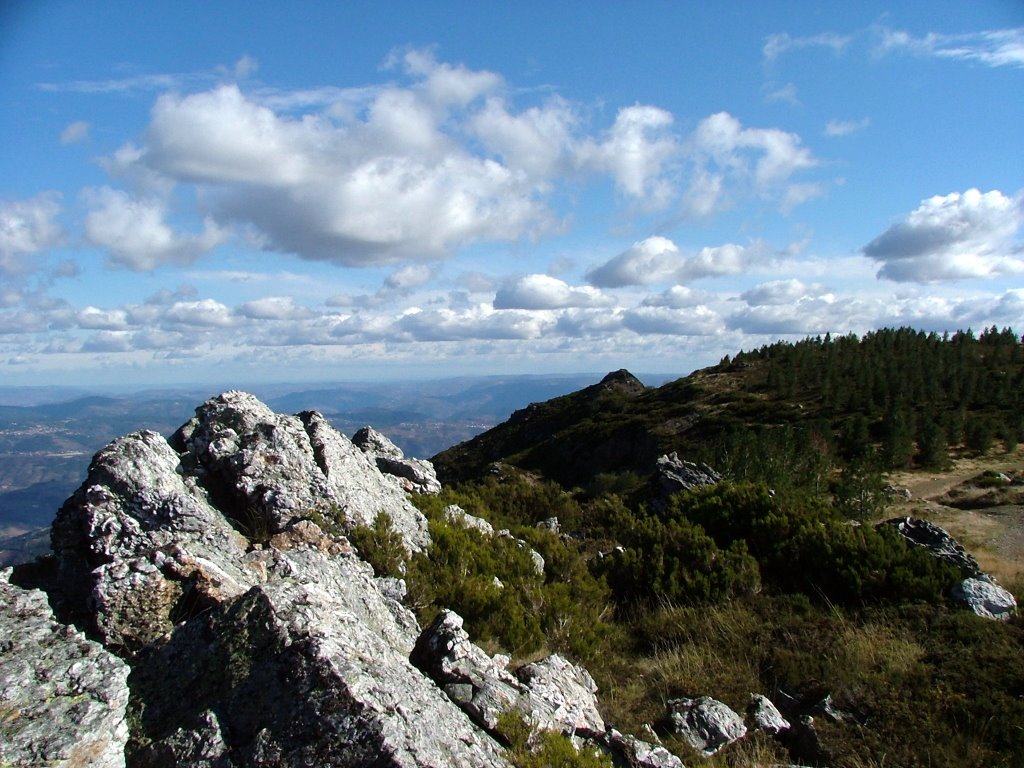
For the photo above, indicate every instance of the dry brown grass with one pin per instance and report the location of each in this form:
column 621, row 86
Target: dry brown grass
column 994, row 536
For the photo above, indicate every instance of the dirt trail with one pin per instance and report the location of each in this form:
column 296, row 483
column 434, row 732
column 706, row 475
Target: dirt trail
column 993, row 534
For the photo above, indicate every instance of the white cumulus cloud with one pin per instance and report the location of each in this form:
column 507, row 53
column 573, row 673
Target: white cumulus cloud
column 27, row 227
column 658, row 260
column 953, row 237
column 136, row 234
column 636, row 152
column 655, row 259
column 546, row 292
column 778, row 292
column 761, row 160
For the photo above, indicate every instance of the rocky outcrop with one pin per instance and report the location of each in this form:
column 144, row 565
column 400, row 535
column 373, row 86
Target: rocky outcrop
column 216, row 565
column 63, row 699
column 456, row 514
column 978, row 590
column 676, row 474
column 763, row 715
column 705, row 724
column 937, row 541
column 310, row 667
column 986, row 598
column 413, row 475
column 265, row 470
column 552, row 694
column 635, row 753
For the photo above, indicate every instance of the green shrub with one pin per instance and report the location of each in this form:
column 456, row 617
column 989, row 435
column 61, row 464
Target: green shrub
column 675, row 560
column 544, row 749
column 381, row 546
column 801, row 547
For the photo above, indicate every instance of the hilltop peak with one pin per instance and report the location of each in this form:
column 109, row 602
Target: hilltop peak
column 622, row 379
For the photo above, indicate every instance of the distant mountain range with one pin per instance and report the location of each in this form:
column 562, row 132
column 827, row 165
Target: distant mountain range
column 49, row 434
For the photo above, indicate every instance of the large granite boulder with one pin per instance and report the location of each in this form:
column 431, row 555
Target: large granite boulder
column 763, row 715
column 413, row 475
column 63, row 697
column 986, row 598
column 552, row 694
column 265, row 470
column 216, row 565
column 978, row 590
column 705, row 724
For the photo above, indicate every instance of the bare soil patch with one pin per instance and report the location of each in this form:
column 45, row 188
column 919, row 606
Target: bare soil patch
column 987, row 520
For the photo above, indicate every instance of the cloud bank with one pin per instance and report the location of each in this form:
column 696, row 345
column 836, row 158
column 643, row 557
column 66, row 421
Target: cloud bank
column 953, row 237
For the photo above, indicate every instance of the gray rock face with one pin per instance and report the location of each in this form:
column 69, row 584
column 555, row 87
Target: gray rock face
column 552, row 694
column 307, row 668
column 568, row 690
column 706, row 724
column 978, row 591
column 937, row 541
column 456, row 514
column 763, row 715
column 985, row 598
column 638, row 754
column 413, row 475
column 675, row 474
column 63, row 698
column 255, row 637
column 138, row 542
column 266, row 470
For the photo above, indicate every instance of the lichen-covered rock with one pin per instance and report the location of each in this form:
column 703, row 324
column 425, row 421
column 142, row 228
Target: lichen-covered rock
column 413, row 475
column 676, row 474
column 483, row 688
column 636, row 753
column 456, row 514
column 266, row 470
column 139, row 545
column 63, row 697
column 552, row 694
column 255, row 636
column 937, row 541
column 763, row 715
column 567, row 689
column 706, row 724
column 985, row 598
column 306, row 669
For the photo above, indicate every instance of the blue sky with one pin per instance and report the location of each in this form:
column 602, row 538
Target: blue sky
column 263, row 192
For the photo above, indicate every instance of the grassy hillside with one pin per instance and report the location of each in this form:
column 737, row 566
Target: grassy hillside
column 774, row 581
column 896, row 398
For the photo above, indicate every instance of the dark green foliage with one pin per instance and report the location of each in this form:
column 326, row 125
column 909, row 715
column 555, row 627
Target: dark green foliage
column 459, row 572
column 562, row 608
column 978, row 435
column 931, row 444
column 676, row 560
column 858, row 491
column 765, row 582
column 381, row 546
column 802, row 548
column 785, row 414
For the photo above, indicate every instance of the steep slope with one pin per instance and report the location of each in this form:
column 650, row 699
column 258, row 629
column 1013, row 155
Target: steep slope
column 904, row 394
